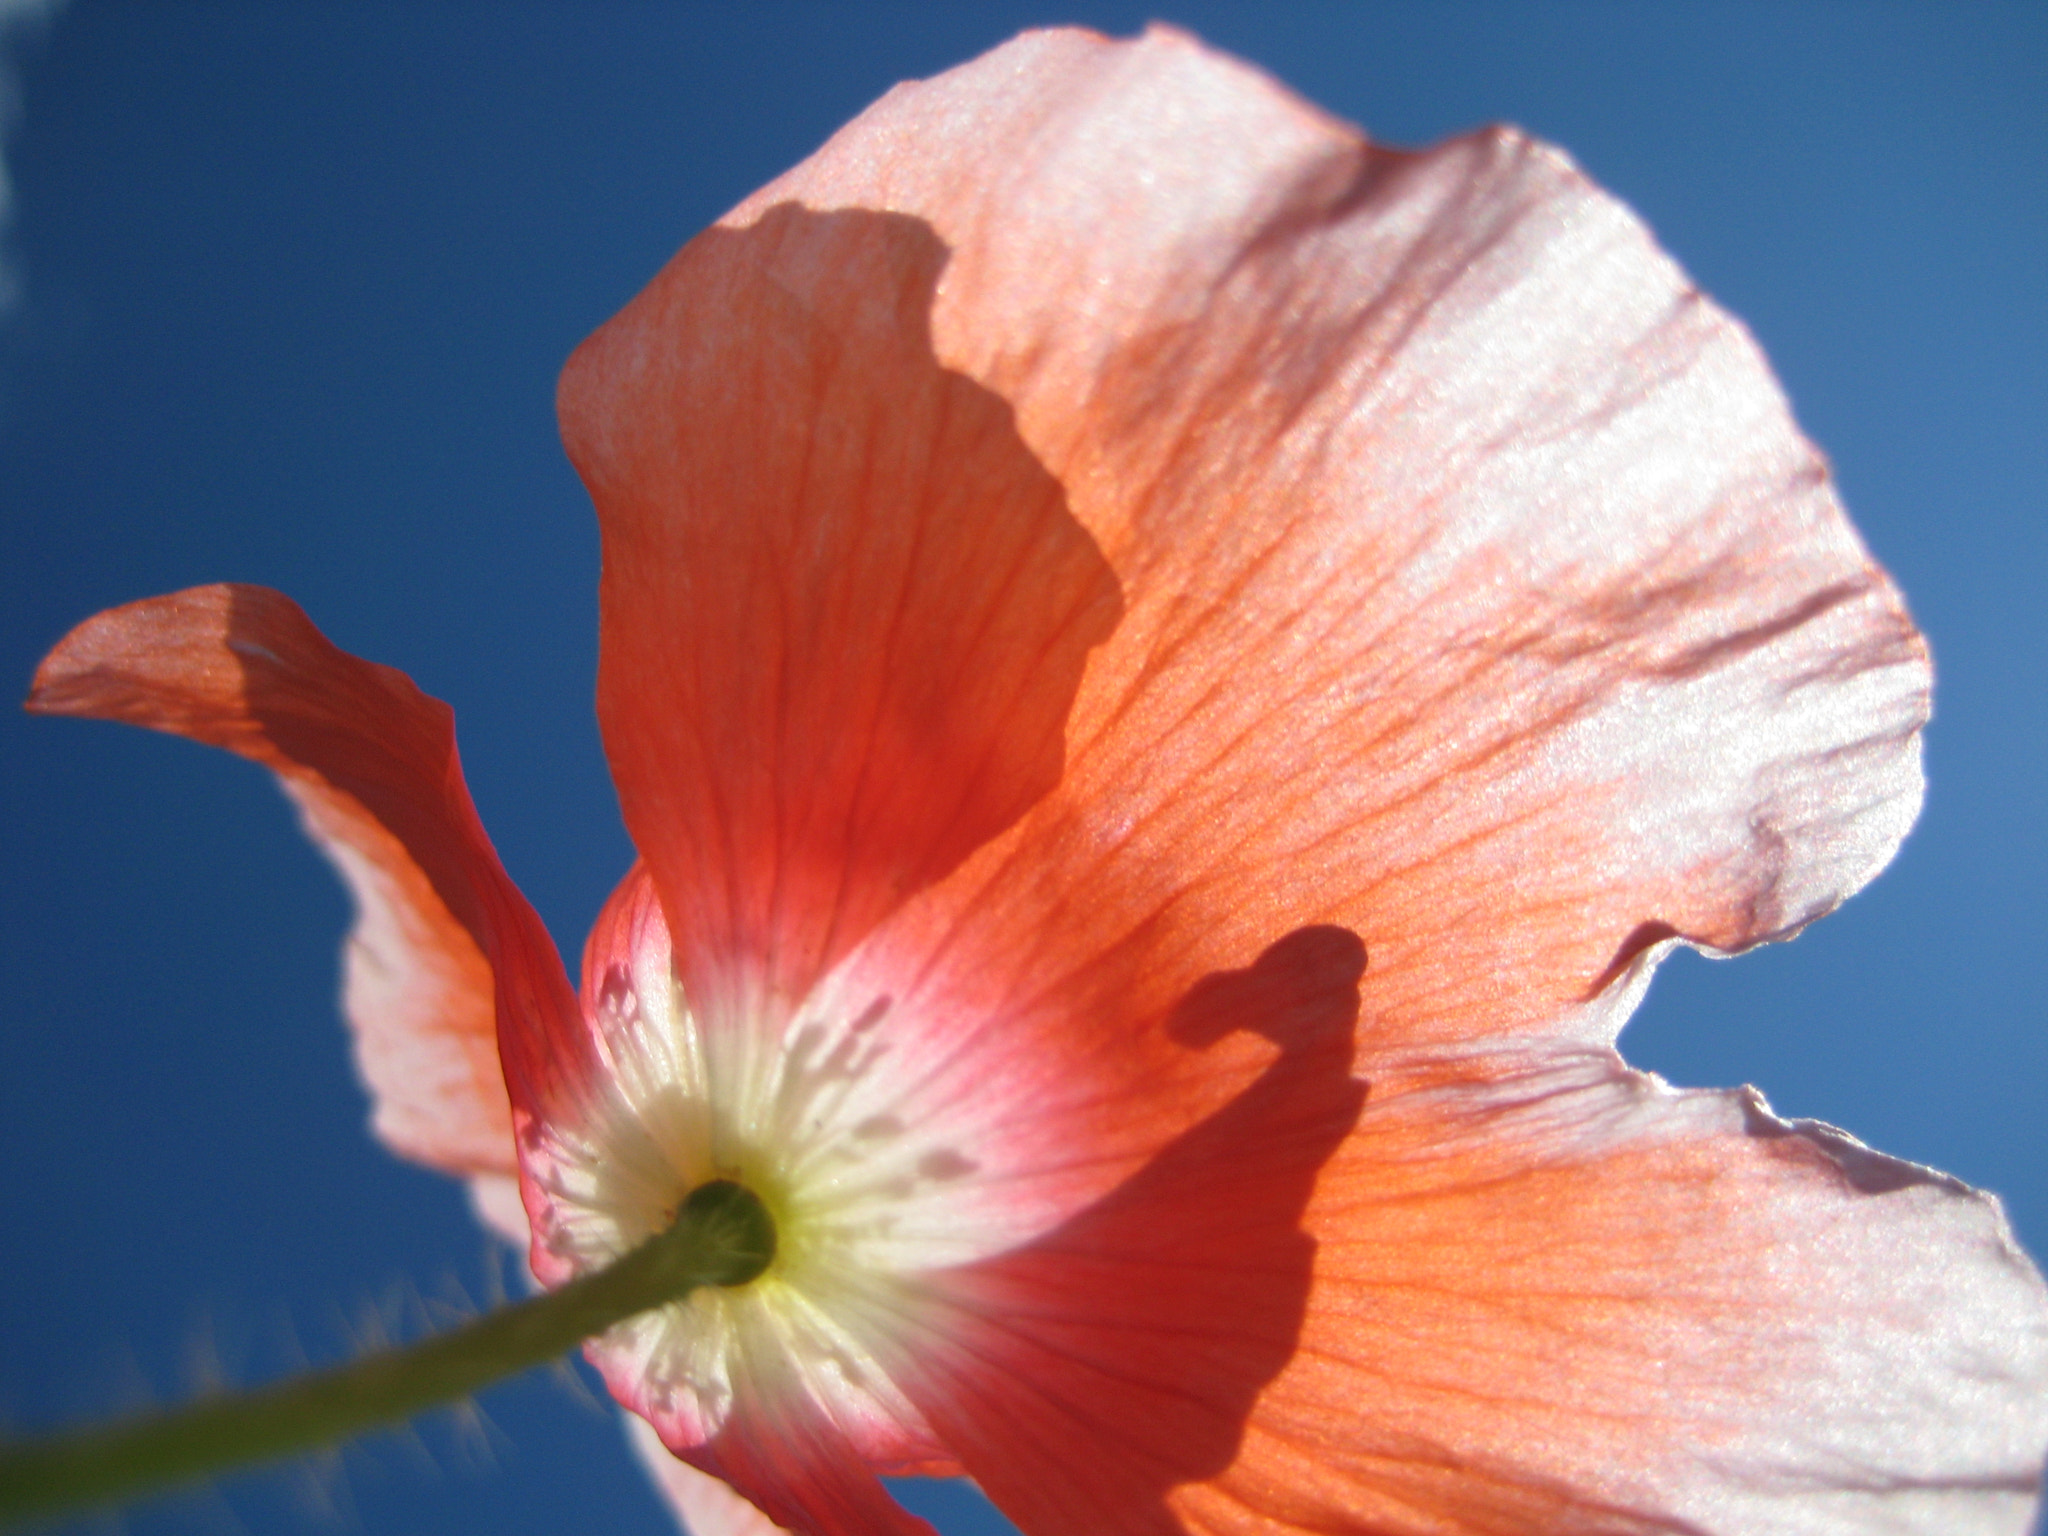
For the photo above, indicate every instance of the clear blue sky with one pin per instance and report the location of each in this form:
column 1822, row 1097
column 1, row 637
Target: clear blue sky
column 296, row 281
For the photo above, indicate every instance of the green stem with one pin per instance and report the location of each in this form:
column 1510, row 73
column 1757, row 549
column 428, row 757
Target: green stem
column 721, row 1236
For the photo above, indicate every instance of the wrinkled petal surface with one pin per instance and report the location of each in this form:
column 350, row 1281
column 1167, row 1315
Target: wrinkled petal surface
column 1478, row 593
column 443, row 942
column 1165, row 661
column 1562, row 1298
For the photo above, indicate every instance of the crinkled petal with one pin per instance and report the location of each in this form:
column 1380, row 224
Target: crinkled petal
column 1478, row 593
column 443, row 943
column 1557, row 1297
column 1093, row 555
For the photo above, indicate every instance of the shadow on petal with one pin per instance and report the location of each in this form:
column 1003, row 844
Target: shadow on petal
column 1082, row 1377
column 846, row 609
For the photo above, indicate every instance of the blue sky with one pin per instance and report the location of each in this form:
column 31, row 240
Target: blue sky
column 295, row 282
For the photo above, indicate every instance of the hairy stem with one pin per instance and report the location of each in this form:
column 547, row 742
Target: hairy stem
column 721, row 1236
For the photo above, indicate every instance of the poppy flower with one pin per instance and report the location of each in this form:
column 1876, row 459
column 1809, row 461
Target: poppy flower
column 1172, row 672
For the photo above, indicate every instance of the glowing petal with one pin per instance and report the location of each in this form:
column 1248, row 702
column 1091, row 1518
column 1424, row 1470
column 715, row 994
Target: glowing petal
column 1083, row 1374
column 1091, row 556
column 1572, row 1299
column 1558, row 1298
column 706, row 1505
column 844, row 608
column 370, row 762
column 1479, row 594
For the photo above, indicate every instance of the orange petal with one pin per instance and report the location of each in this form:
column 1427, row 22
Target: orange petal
column 845, row 610
column 1479, row 594
column 1085, row 551
column 443, row 943
column 1558, row 1299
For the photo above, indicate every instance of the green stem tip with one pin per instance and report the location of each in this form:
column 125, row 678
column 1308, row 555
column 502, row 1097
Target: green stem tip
column 723, row 1235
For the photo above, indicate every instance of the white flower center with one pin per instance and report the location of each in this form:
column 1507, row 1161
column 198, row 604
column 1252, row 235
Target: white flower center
column 801, row 1115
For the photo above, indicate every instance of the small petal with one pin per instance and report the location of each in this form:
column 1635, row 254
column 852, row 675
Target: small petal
column 706, row 1505
column 443, row 942
column 496, row 1200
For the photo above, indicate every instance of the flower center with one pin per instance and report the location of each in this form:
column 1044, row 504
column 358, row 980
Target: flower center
column 793, row 1131
column 734, row 1219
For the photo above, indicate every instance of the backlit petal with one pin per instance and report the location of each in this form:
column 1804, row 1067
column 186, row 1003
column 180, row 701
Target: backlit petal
column 1126, row 609
column 1558, row 1298
column 1479, row 594
column 845, row 610
column 706, row 1505
column 443, row 941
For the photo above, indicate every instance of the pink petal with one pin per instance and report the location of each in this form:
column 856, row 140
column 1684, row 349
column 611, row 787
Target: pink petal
column 802, row 1473
column 706, row 1505
column 1556, row 1298
column 1479, row 594
column 443, row 942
